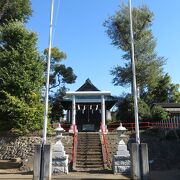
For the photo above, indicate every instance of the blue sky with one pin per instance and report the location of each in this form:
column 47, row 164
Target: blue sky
column 79, row 32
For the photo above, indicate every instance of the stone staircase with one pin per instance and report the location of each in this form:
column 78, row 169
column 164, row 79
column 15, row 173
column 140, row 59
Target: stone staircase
column 89, row 152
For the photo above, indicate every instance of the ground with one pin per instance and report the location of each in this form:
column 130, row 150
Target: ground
column 164, row 158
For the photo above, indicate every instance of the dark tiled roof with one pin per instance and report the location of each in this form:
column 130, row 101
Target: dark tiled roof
column 88, row 86
column 168, row 105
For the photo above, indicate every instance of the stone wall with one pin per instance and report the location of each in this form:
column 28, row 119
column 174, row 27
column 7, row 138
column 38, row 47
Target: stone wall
column 23, row 147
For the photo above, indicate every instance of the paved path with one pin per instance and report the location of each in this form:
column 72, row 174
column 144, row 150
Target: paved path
column 155, row 175
column 70, row 176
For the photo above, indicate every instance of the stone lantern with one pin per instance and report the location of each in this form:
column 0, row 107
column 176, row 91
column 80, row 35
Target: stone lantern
column 121, row 160
column 120, row 130
column 59, row 130
column 59, row 156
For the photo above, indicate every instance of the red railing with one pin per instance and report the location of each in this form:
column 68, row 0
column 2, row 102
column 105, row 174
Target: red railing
column 105, row 143
column 74, row 144
column 144, row 125
column 129, row 126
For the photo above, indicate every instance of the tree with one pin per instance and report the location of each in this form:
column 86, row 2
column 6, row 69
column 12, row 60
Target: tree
column 158, row 113
column 21, row 79
column 126, row 109
column 60, row 75
column 164, row 92
column 148, row 64
column 15, row 10
column 56, row 106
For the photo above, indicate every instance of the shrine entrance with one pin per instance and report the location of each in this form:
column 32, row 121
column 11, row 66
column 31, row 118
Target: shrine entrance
column 88, row 108
column 88, row 118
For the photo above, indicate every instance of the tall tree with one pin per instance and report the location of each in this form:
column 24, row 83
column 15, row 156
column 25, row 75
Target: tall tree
column 15, row 10
column 60, row 75
column 148, row 64
column 164, row 92
column 21, row 79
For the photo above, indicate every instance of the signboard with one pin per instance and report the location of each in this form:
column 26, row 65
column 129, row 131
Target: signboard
column 88, row 127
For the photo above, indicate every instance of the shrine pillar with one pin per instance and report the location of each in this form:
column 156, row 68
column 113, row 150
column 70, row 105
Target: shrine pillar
column 73, row 125
column 103, row 114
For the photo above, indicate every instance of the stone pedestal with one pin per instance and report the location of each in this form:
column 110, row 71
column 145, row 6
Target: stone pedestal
column 42, row 162
column 121, row 161
column 59, row 157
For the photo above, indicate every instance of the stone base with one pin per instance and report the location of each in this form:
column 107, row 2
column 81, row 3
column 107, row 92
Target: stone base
column 59, row 159
column 122, row 169
column 60, row 165
column 121, row 164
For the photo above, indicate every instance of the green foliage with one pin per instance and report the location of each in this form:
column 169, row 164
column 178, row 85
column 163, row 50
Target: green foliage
column 15, row 10
column 126, row 109
column 158, row 113
column 60, row 74
column 164, row 92
column 21, row 79
column 19, row 116
column 148, row 64
column 57, row 108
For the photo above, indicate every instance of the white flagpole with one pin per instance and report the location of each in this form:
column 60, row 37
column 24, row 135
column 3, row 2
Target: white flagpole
column 47, row 75
column 134, row 77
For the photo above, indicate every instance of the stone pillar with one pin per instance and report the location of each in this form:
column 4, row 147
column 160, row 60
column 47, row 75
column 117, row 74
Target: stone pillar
column 145, row 161
column 74, row 110
column 46, row 162
column 37, row 162
column 140, row 163
column 103, row 113
column 135, row 159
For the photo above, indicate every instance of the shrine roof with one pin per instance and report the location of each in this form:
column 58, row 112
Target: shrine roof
column 88, row 94
column 88, row 86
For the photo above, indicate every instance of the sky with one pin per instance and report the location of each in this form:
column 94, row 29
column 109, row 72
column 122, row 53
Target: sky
column 79, row 32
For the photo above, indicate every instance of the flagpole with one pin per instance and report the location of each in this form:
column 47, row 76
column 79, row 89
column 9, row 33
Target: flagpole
column 134, row 77
column 47, row 75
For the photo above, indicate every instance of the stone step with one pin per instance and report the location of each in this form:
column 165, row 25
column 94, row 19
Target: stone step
column 90, row 159
column 90, row 153
column 8, row 164
column 90, row 167
column 89, row 149
column 89, row 164
column 89, row 170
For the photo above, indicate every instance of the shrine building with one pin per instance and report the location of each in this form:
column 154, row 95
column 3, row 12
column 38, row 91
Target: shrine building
column 88, row 108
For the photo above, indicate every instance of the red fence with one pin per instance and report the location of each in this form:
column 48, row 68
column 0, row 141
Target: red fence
column 165, row 124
